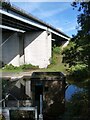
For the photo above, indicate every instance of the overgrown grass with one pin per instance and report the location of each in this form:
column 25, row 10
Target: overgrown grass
column 56, row 62
column 56, row 66
column 0, row 117
column 28, row 67
column 25, row 67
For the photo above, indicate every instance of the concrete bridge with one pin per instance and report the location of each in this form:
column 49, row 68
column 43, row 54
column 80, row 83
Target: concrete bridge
column 26, row 39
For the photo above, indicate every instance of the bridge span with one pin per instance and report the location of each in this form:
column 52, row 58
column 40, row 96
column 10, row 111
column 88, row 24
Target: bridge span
column 27, row 39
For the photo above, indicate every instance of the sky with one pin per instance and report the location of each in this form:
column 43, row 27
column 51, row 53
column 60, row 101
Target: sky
column 58, row 14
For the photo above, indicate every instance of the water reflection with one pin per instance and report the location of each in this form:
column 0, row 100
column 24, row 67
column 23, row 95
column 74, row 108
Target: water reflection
column 72, row 89
column 46, row 90
column 54, row 106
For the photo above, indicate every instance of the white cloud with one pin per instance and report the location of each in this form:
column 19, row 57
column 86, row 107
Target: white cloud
column 48, row 13
column 69, row 26
column 61, row 29
column 29, row 7
column 32, row 6
column 51, row 12
column 36, row 8
column 69, row 23
column 69, row 29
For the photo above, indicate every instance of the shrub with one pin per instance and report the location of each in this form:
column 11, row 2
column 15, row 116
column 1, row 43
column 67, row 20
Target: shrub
column 53, row 61
column 22, row 67
column 77, row 107
column 28, row 66
column 10, row 67
column 78, row 72
column 55, row 55
column 57, row 50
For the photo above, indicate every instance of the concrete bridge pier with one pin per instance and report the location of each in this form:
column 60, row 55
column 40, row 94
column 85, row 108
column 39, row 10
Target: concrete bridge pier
column 38, row 48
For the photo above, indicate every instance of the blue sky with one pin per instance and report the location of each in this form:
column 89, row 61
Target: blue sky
column 58, row 14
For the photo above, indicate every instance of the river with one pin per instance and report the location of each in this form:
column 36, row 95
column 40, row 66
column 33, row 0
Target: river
column 71, row 90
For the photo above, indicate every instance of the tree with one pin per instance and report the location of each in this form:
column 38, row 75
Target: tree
column 78, row 51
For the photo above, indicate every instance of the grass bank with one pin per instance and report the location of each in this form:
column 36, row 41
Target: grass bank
column 57, row 66
column 22, row 68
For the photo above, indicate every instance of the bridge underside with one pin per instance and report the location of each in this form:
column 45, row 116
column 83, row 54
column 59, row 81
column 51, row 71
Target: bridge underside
column 15, row 23
column 24, row 43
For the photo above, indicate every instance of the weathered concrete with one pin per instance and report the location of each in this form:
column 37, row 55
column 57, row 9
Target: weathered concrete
column 65, row 44
column 38, row 48
column 29, row 48
column 21, row 49
column 10, row 48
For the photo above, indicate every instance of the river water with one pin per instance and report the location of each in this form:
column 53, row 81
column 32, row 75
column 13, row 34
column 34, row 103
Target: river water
column 71, row 90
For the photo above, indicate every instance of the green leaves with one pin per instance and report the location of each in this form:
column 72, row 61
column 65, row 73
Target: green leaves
column 79, row 72
column 77, row 53
column 57, row 50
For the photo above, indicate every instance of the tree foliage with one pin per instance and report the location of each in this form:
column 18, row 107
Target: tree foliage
column 78, row 50
column 77, row 107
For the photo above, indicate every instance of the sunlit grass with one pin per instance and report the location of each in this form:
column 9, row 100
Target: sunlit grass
column 58, row 66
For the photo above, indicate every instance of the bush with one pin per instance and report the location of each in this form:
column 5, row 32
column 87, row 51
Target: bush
column 22, row 67
column 10, row 67
column 52, row 61
column 55, row 54
column 78, row 72
column 77, row 107
column 57, row 50
column 28, row 66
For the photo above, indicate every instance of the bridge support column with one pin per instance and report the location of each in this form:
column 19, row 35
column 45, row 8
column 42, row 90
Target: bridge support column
column 37, row 48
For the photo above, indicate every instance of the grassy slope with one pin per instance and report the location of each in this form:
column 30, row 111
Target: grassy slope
column 58, row 66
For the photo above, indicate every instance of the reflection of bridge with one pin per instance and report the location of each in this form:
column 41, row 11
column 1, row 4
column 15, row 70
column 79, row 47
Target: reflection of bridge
column 26, row 39
column 46, row 90
column 5, row 111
